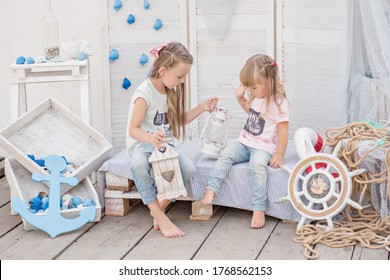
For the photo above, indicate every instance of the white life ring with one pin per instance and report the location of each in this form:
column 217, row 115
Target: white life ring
column 307, row 142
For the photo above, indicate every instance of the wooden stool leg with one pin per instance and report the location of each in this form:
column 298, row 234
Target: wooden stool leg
column 202, row 212
column 119, row 206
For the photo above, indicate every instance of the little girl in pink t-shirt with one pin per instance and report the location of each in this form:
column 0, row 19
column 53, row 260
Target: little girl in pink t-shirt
column 264, row 138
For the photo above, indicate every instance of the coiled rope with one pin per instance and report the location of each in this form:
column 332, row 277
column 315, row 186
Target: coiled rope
column 365, row 226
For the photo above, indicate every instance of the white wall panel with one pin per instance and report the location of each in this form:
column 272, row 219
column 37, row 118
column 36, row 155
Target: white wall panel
column 309, row 42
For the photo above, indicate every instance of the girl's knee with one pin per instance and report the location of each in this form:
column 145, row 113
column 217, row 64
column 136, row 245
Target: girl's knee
column 139, row 162
column 257, row 168
column 227, row 155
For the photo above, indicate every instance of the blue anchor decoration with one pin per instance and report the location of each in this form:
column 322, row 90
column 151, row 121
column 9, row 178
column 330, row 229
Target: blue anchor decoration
column 53, row 223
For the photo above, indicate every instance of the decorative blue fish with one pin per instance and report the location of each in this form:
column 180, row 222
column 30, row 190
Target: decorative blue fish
column 143, row 59
column 117, row 5
column 146, row 4
column 114, row 55
column 131, row 19
column 126, row 83
column 158, row 24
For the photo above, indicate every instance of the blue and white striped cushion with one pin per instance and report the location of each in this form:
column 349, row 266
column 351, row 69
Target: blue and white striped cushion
column 235, row 190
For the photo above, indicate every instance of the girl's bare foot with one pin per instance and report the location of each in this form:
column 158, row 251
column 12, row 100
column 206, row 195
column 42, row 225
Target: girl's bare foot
column 169, row 229
column 163, row 205
column 208, row 197
column 258, row 219
column 155, row 225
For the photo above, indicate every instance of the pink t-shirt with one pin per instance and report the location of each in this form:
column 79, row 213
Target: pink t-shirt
column 261, row 132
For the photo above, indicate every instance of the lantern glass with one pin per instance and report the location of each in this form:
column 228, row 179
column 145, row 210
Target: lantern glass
column 214, row 133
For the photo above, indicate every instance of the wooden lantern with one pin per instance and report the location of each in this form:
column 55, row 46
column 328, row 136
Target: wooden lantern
column 167, row 174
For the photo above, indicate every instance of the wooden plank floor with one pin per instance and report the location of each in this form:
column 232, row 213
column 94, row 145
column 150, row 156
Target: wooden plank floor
column 226, row 236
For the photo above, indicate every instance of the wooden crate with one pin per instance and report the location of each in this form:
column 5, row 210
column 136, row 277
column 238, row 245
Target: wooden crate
column 118, row 203
column 22, row 186
column 118, row 183
column 52, row 129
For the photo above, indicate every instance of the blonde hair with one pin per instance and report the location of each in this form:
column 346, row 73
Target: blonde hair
column 169, row 56
column 264, row 66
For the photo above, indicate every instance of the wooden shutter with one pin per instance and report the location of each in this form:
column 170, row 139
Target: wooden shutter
column 309, row 36
column 219, row 61
column 131, row 41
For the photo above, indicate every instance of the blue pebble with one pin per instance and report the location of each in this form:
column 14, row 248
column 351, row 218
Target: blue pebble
column 114, row 55
column 143, row 59
column 88, row 202
column 126, row 83
column 20, row 60
column 146, row 4
column 30, row 60
column 131, row 19
column 158, row 24
column 81, row 56
column 117, row 5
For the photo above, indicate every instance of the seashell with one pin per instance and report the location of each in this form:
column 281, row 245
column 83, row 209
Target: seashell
column 66, row 198
column 76, row 201
column 72, row 49
column 20, row 60
column 158, row 24
column 85, row 48
column 30, row 60
column 40, row 59
column 88, row 202
column 81, row 56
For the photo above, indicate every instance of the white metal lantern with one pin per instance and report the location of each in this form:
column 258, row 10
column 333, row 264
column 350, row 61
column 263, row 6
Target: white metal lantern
column 167, row 173
column 214, row 134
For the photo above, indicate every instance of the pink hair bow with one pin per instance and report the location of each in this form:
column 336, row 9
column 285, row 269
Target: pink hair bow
column 155, row 52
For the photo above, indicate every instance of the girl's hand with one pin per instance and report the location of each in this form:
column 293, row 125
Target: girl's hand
column 240, row 92
column 210, row 104
column 276, row 161
column 158, row 139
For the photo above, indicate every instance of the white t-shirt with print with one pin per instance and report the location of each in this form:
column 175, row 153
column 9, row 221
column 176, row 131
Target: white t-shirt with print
column 261, row 132
column 156, row 113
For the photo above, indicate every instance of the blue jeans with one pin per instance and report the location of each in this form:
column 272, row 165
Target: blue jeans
column 141, row 171
column 258, row 161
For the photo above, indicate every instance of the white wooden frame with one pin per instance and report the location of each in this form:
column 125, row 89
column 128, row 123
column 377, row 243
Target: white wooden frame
column 52, row 137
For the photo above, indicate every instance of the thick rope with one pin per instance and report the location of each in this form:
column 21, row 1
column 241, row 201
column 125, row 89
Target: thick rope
column 363, row 227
